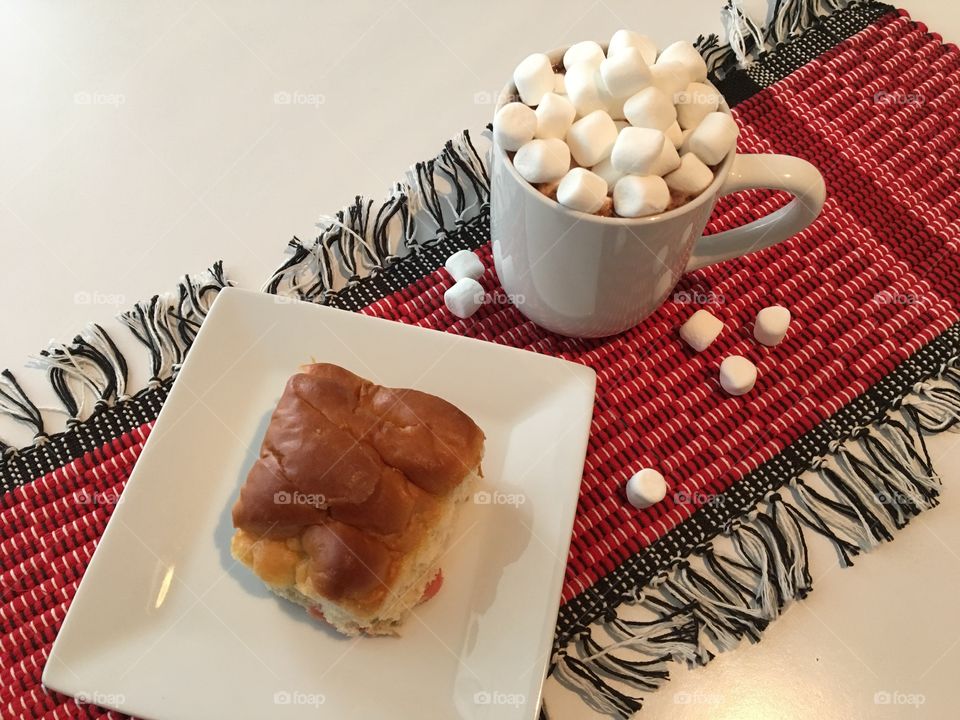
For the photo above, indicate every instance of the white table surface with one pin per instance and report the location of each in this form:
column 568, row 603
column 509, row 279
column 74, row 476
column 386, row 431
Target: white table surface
column 142, row 141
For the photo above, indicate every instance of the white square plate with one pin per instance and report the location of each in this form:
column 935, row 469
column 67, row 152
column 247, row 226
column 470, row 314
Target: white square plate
column 166, row 624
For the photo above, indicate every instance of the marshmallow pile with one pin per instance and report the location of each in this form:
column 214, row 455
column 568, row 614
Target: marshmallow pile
column 630, row 131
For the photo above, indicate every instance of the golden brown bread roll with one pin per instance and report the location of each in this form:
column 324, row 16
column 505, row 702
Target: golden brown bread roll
column 353, row 497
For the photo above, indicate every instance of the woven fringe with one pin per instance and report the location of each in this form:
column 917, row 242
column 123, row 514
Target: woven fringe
column 436, row 197
column 748, row 40
column 731, row 588
column 90, row 373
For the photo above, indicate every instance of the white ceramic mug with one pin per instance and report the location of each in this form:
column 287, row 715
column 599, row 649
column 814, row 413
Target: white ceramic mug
column 589, row 276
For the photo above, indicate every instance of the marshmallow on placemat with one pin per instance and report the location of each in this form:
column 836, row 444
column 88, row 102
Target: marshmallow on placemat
column 513, row 125
column 464, row 264
column 737, row 375
column 533, row 78
column 771, row 325
column 554, row 114
column 636, row 150
column 464, row 297
column 692, row 177
column 713, row 138
column 608, row 172
column 686, row 54
column 701, row 329
column 542, row 160
column 695, row 103
column 640, row 195
column 669, row 78
column 588, row 52
column 582, row 190
column 625, row 73
column 591, row 138
column 650, row 108
column 623, row 39
column 647, row 487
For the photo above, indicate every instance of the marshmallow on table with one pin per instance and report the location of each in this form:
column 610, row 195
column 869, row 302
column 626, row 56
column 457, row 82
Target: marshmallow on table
column 737, row 375
column 692, row 177
column 701, row 329
column 667, row 161
column 583, row 52
column 533, row 78
column 623, row 39
column 771, row 325
column 582, row 190
column 559, row 84
column 591, row 138
column 608, row 172
column 554, row 115
column 650, row 108
column 674, row 135
column 686, row 54
column 639, row 195
column 464, row 297
column 464, row 264
column 625, row 73
column 542, row 160
column 695, row 103
column 647, row 487
column 513, row 125
column 637, row 149
column 713, row 138
column 669, row 78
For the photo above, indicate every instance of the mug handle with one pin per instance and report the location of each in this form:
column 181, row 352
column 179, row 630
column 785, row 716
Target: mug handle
column 780, row 172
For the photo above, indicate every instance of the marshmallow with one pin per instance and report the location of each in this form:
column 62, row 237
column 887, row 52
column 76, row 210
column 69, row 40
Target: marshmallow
column 608, row 172
column 674, row 134
column 559, row 84
column 533, row 78
column 623, row 39
column 639, row 195
column 464, row 264
column 737, row 375
column 713, row 138
column 464, row 297
column 583, row 84
column 667, row 161
column 591, row 138
column 646, row 488
column 650, row 108
column 695, row 103
column 637, row 149
column 513, row 125
column 582, row 190
column 669, row 77
column 771, row 325
column 701, row 329
column 554, row 115
column 542, row 160
column 587, row 52
column 692, row 177
column 686, row 54
column 625, row 74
